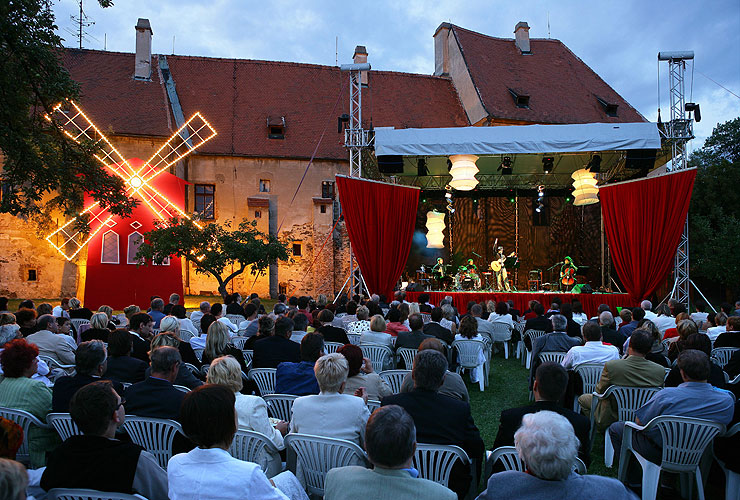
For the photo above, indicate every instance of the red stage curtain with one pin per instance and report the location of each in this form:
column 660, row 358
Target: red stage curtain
column 380, row 221
column 643, row 221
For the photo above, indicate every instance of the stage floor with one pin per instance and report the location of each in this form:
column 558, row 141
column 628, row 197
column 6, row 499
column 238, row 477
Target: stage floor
column 589, row 301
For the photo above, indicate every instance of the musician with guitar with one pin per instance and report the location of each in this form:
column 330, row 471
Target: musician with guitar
column 568, row 273
column 501, row 277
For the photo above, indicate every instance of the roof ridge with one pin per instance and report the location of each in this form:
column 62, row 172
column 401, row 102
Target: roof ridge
column 498, row 38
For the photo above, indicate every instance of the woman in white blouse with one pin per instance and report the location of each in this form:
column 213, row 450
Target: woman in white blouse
column 469, row 331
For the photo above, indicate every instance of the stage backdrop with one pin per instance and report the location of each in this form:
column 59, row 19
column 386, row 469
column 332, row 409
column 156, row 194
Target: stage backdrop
column 380, row 221
column 643, row 220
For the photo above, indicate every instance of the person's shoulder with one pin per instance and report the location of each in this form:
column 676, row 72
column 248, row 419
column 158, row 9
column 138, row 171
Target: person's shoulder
column 607, row 486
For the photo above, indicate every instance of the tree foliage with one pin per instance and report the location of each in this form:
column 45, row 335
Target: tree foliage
column 42, row 170
column 714, row 215
column 214, row 249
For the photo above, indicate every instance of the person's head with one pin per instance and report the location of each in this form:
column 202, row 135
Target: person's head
column 279, row 309
column 354, row 356
column 178, row 311
column 591, row 331
column 284, row 327
column 626, row 315
column 165, row 362
column 648, row 325
column 468, row 327
column 663, row 310
column 429, row 370
column 449, row 312
column 416, row 322
column 363, row 313
column 539, row 309
column 300, row 322
column 74, row 303
column 99, row 321
column 303, row 302
column 681, row 316
column 7, row 319
column 577, row 307
column 646, row 305
column 436, row 315
column 226, row 371
column 208, row 416
column 548, row 445
column 18, row 358
column 293, row 301
column 13, row 480
column 157, row 304
column 432, row 343
column 404, row 309
column 554, row 306
column 129, row 311
column 217, row 339
column 266, row 326
column 559, row 322
column 8, row 333
column 312, row 347
column 91, row 358
column 423, row 298
column 326, row 316
column 119, row 343
column 97, row 409
column 4, row 303
column 47, row 322
column 169, row 324
column 108, row 310
column 377, row 323
column 685, row 328
column 638, row 313
column 606, row 319
column 206, row 321
column 700, row 342
column 250, row 311
column 641, row 342
column 26, row 318
column 205, row 307
column 694, row 365
column 174, row 299
column 720, row 319
column 476, row 310
column 502, row 308
column 44, row 308
column 165, row 339
column 142, row 324
column 733, row 324
column 331, row 371
column 64, row 325
column 390, row 437
column 394, row 315
column 217, row 310
column 551, row 381
column 602, row 308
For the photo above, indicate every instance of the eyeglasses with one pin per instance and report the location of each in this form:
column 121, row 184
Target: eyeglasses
column 123, row 402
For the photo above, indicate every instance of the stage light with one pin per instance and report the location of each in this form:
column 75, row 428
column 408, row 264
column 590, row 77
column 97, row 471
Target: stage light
column 448, row 195
column 594, row 165
column 585, row 189
column 548, row 163
column 463, row 172
column 540, row 192
column 539, row 208
column 505, row 166
column 435, row 226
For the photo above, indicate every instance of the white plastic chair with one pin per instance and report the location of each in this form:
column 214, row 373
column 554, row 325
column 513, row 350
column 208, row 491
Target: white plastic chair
column 527, row 353
column 502, row 334
column 193, row 369
column 330, row 347
column 509, row 458
column 354, row 338
column 85, row 494
column 154, row 435
column 551, row 357
column 78, row 322
column 732, row 487
column 434, row 461
column 25, row 420
column 629, row 400
column 264, row 378
column 235, row 318
column 590, row 374
column 63, row 424
column 316, row 455
column 394, row 378
column 407, row 355
column 467, row 358
column 722, row 355
column 684, row 441
column 198, row 353
column 53, row 363
column 381, row 356
column 248, row 355
column 239, row 342
column 181, row 388
column 372, row 405
column 186, row 335
column 252, row 446
column 280, row 405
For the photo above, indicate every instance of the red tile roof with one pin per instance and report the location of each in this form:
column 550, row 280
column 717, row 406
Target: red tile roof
column 562, row 88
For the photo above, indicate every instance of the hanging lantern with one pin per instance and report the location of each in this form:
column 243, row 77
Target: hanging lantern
column 584, row 184
column 463, row 172
column 435, row 226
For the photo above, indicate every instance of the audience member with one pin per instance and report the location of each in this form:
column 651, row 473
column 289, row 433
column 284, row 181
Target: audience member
column 449, row 319
column 155, row 396
column 362, row 324
column 233, row 304
column 218, row 343
column 573, row 329
column 331, row 333
column 300, row 326
column 140, row 328
column 647, row 306
column 203, row 308
column 157, row 311
column 299, row 378
column 665, row 319
column 10, row 332
column 98, row 328
column 62, row 310
column 174, row 300
column 413, row 338
column 76, row 311
column 377, row 333
column 351, row 315
column 452, row 385
column 720, row 320
column 171, row 325
column 684, row 328
column 49, row 343
column 539, row 322
column 672, row 333
column 179, row 312
column 26, row 319
column 578, row 315
column 435, row 329
column 469, row 331
column 44, row 308
column 122, row 367
column 265, row 329
column 609, row 334
column 731, row 337
column 361, row 375
column 593, row 351
column 557, row 341
column 484, row 327
column 271, row 351
column 700, row 342
column 129, row 312
column 638, row 313
column 13, row 480
column 395, row 322
column 108, row 311
column 185, row 376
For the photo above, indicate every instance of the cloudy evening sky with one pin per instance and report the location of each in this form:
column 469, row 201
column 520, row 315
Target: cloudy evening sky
column 618, row 39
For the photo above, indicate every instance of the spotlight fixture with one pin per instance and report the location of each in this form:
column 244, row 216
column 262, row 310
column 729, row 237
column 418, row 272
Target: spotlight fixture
column 594, row 165
column 548, row 163
column 448, row 195
column 540, row 192
column 505, row 166
column 539, row 208
column 692, row 106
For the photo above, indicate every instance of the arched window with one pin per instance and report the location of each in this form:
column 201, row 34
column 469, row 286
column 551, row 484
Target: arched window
column 109, row 251
column 134, row 242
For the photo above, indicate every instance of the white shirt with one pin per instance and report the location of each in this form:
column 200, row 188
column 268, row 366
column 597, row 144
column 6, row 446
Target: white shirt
column 199, row 342
column 58, row 312
column 331, row 415
column 716, row 331
column 297, row 336
column 232, row 327
column 663, row 323
column 594, row 351
column 252, row 413
column 196, row 316
column 651, row 316
column 502, row 318
column 186, row 324
column 699, row 317
column 580, row 318
column 377, row 338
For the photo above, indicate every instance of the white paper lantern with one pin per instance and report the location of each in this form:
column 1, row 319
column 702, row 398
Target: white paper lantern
column 586, row 191
column 463, row 172
column 435, row 226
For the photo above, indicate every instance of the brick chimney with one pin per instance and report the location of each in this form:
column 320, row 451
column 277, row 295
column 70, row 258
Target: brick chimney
column 360, row 57
column 521, row 32
column 441, row 50
column 143, row 62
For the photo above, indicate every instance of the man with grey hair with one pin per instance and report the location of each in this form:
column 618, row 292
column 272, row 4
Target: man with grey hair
column 155, row 396
column 196, row 316
column 647, row 306
column 547, row 444
column 174, row 300
column 157, row 313
column 609, row 333
column 390, row 441
column 557, row 341
column 440, row 419
column 50, row 344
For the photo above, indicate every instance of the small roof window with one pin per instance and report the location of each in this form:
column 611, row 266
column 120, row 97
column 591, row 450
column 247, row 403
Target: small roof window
column 521, row 100
column 276, row 127
column 610, row 108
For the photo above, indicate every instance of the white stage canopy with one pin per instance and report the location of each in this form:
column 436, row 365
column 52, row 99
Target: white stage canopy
column 516, row 139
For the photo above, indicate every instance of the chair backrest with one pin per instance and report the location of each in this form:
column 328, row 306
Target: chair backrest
column 235, row 318
column 318, row 455
column 185, row 335
column 53, row 363
column 630, row 399
column 666, row 343
column 426, row 317
column 407, row 355
column 193, row 369
column 519, row 326
column 394, row 378
column 280, row 405
column 684, row 440
column 372, row 405
column 78, row 322
column 467, row 351
column 434, row 461
column 181, row 388
column 63, row 424
column 198, row 353
column 590, row 374
column 84, row 494
column 25, row 420
column 239, row 342
column 331, row 347
column 264, row 378
column 252, row 446
column 154, row 435
column 501, row 332
column 378, row 355
column 509, row 458
column 551, row 356
column 722, row 355
column 248, row 355
column 204, row 370
column 535, row 334
column 354, row 338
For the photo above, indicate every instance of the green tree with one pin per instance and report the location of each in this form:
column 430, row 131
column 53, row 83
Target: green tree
column 714, row 214
column 42, row 170
column 214, row 248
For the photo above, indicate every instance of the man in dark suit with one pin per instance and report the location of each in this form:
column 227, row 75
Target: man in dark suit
column 270, row 352
column 331, row 333
column 609, row 334
column 550, row 384
column 90, row 365
column 435, row 329
column 539, row 322
column 440, row 419
column 121, row 366
column 156, row 397
column 141, row 332
column 415, row 337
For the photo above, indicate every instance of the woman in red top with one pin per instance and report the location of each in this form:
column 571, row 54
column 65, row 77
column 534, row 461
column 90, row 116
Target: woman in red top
column 395, row 324
column 673, row 332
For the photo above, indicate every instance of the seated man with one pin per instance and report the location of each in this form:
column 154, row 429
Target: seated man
column 271, row 351
column 140, row 329
column 413, row 338
column 452, row 386
column 300, row 324
column 390, row 441
column 91, row 361
column 550, row 384
column 608, row 332
column 594, row 351
column 440, row 419
column 539, row 322
column 485, row 327
column 157, row 311
column 299, row 378
column 730, row 338
column 437, row 330
column 547, row 444
column 203, row 308
column 96, row 459
column 557, row 341
column 122, row 367
column 49, row 343
column 156, row 397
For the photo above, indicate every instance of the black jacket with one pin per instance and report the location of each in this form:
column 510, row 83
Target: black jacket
column 727, row 339
column 65, row 388
column 141, row 348
column 126, row 369
column 439, row 331
column 333, row 334
column 155, row 398
column 230, row 350
column 270, row 352
column 536, row 323
column 184, row 377
column 613, row 337
column 411, row 340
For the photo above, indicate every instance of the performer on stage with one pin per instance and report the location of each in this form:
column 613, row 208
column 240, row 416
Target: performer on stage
column 438, row 269
column 471, row 266
column 568, row 273
column 501, row 277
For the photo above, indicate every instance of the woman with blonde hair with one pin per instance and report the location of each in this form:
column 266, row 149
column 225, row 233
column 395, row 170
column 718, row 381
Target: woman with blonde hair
column 108, row 310
column 377, row 333
column 218, row 343
column 76, row 311
column 129, row 311
column 185, row 376
column 98, row 328
column 171, row 324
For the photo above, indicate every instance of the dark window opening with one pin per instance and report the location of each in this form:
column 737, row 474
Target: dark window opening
column 520, row 100
column 257, row 214
column 264, row 186
column 283, row 288
column 205, row 201
column 276, row 127
column 296, row 249
column 610, row 108
column 276, row 133
column 327, row 189
column 31, row 275
column 323, row 209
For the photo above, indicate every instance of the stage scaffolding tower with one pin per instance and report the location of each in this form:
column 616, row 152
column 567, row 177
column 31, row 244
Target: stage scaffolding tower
column 678, row 132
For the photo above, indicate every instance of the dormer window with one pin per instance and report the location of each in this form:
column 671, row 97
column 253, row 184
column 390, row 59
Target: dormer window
column 276, row 127
column 610, row 108
column 521, row 100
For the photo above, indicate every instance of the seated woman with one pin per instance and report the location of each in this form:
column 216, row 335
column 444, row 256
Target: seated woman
column 76, row 311
column 265, row 328
column 171, row 324
column 378, row 333
column 362, row 324
column 395, row 324
column 449, row 320
column 129, row 312
column 185, row 376
column 361, row 375
column 405, row 310
column 218, row 343
column 98, row 328
column 469, row 331
column 684, row 328
column 548, row 445
column 501, row 315
column 672, row 333
column 209, row 472
column 250, row 410
column 121, row 366
column 331, row 413
column 112, row 321
column 21, row 392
